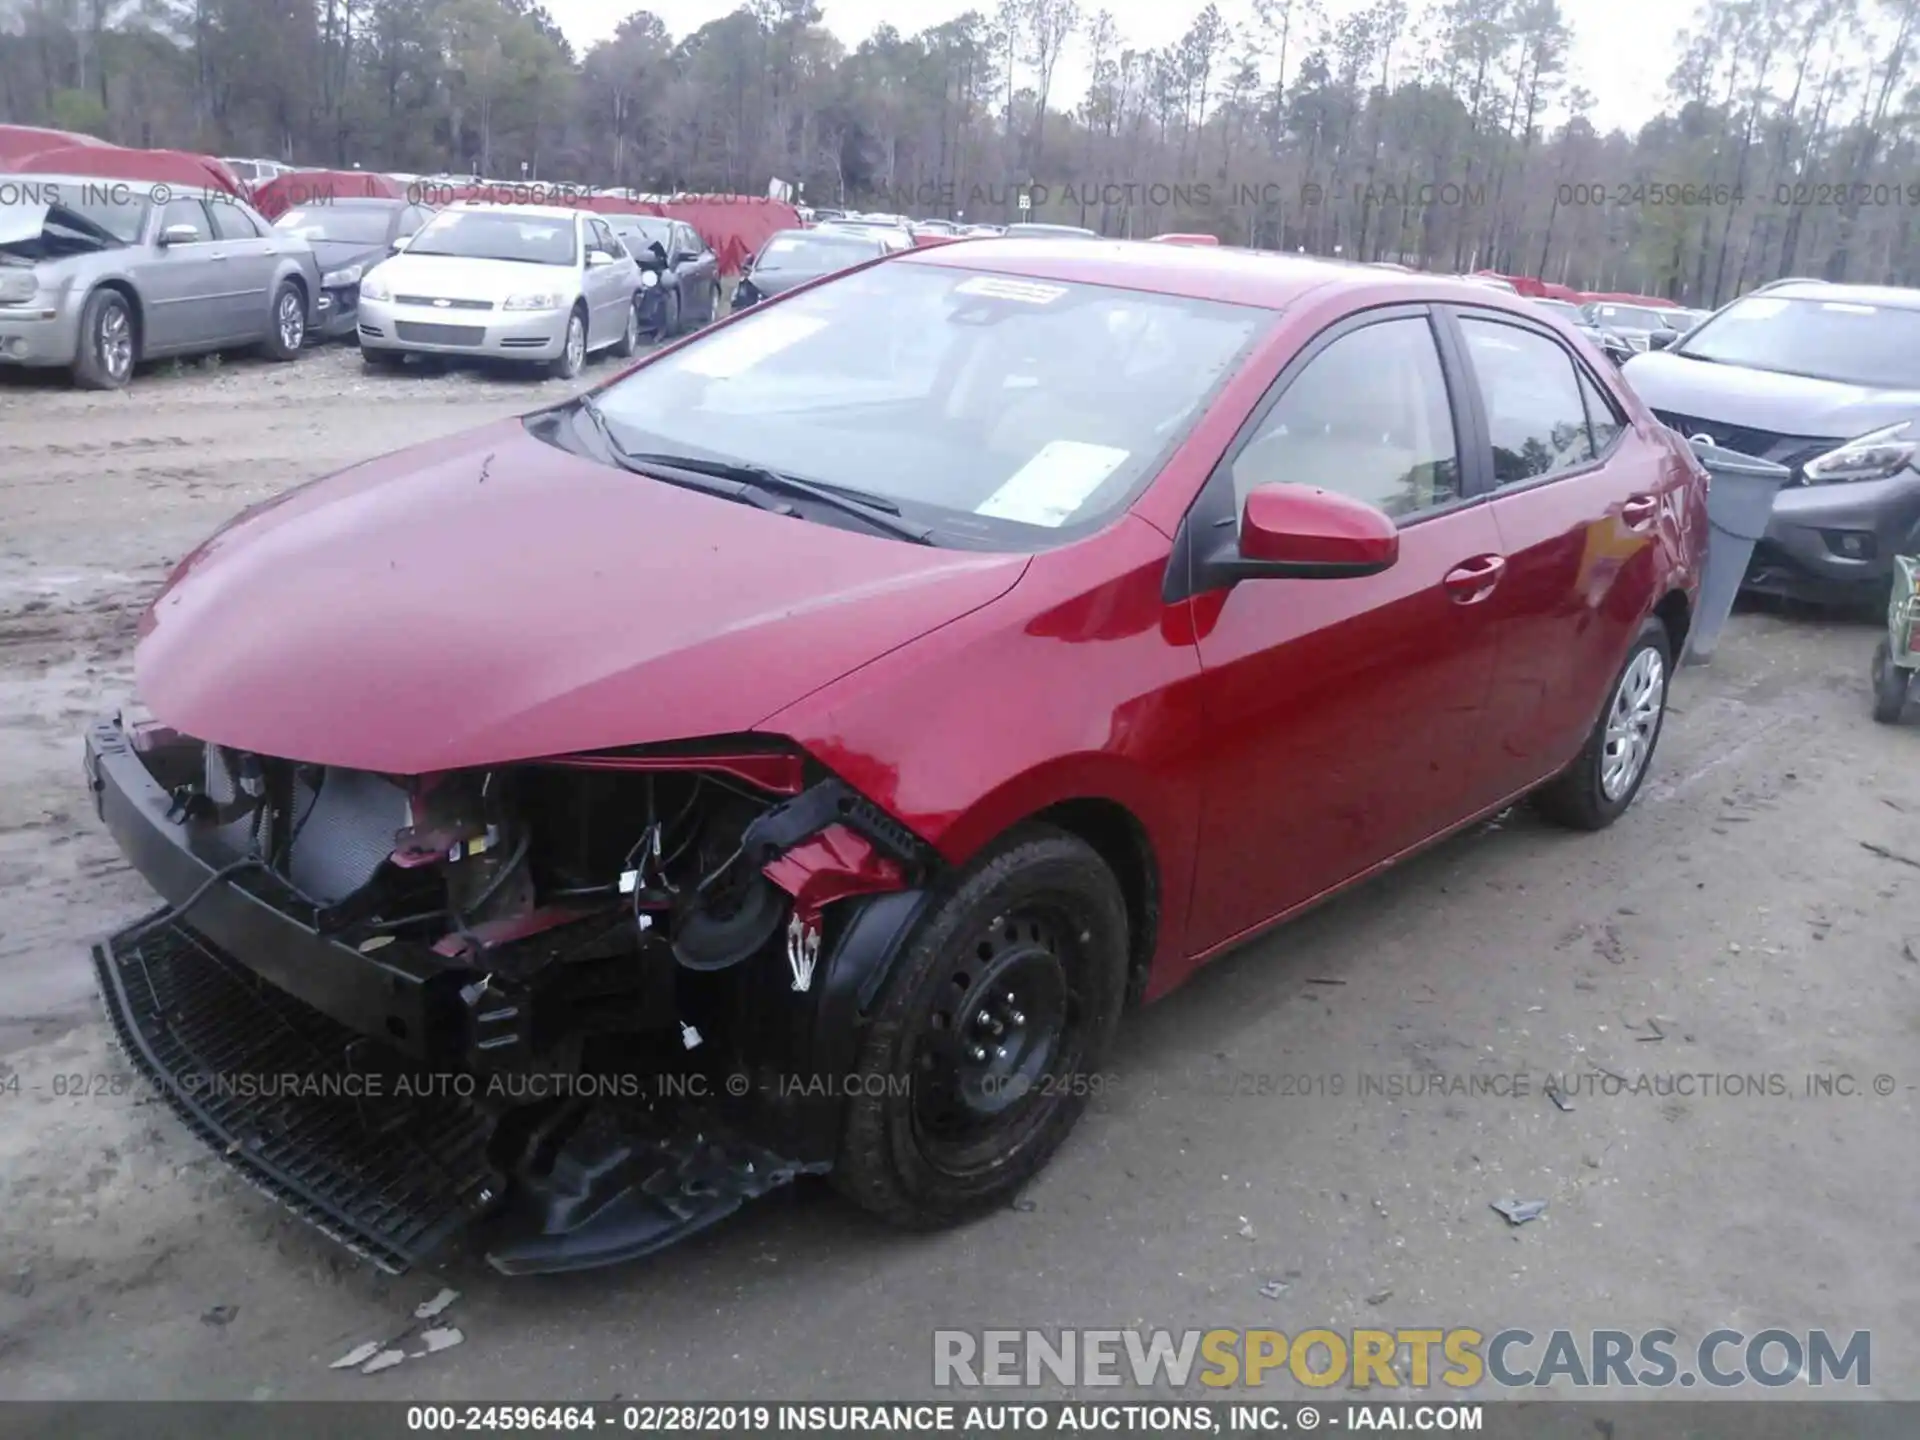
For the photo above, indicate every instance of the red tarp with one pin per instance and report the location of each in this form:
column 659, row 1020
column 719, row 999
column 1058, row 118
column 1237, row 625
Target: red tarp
column 19, row 141
column 195, row 173
column 303, row 187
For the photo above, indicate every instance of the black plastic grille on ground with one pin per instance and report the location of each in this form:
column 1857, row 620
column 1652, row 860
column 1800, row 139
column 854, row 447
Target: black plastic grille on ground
column 259, row 1075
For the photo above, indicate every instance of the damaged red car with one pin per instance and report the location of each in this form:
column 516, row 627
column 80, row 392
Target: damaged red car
column 797, row 754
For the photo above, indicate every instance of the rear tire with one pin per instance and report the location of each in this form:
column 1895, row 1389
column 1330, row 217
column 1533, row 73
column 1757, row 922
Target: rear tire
column 1596, row 789
column 986, row 1043
column 1890, row 685
column 104, row 358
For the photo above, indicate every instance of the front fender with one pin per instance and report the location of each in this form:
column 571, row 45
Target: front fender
column 1079, row 683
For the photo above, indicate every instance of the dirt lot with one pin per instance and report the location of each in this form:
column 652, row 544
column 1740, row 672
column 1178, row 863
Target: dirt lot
column 1735, row 924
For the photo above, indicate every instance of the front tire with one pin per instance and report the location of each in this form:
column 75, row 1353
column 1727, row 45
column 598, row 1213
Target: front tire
column 629, row 343
column 288, row 329
column 670, row 326
column 573, row 350
column 104, row 359
column 1596, row 789
column 986, row 1043
column 1890, row 685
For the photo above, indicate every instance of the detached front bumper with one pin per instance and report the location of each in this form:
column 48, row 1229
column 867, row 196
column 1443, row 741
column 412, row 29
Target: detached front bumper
column 489, row 333
column 336, row 313
column 346, row 1084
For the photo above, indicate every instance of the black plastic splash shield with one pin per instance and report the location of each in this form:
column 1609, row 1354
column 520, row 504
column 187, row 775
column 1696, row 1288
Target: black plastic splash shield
column 271, row 1084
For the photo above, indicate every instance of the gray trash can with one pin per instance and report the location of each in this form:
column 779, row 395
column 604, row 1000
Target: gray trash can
column 1739, row 506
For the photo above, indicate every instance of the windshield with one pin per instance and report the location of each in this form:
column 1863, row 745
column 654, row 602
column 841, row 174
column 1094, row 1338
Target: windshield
column 814, row 254
column 76, row 224
column 1003, row 412
column 357, row 225
column 1839, row 340
column 642, row 229
column 1561, row 307
column 490, row 235
column 1626, row 317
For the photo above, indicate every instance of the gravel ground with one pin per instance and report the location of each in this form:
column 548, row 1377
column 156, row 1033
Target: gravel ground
column 1737, row 922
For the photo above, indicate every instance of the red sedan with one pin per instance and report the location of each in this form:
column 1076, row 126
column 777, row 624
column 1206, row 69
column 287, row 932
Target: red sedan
column 797, row 754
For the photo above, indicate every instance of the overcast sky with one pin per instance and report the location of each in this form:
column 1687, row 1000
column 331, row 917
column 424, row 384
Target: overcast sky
column 1623, row 49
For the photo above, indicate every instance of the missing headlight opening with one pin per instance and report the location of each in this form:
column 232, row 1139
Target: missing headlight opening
column 667, row 926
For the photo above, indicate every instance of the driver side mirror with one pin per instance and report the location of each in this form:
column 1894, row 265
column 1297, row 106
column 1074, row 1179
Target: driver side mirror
column 597, row 258
column 400, row 243
column 1298, row 532
column 684, row 257
column 1662, row 339
column 179, row 235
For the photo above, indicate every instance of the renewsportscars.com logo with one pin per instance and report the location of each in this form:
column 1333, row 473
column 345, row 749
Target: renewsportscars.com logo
column 1399, row 1359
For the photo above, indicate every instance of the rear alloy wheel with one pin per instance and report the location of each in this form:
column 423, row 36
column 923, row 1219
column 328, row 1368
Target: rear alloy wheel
column 670, row 327
column 1890, row 685
column 1596, row 789
column 983, row 1050
column 289, row 331
column 573, row 350
column 104, row 359
column 629, row 343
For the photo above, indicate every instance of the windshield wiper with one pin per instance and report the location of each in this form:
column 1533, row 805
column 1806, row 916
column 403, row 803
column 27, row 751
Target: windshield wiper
column 754, row 484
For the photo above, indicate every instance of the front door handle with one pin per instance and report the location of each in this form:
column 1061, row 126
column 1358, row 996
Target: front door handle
column 1640, row 511
column 1473, row 580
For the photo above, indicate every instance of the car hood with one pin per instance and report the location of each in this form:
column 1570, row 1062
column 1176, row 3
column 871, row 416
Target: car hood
column 1765, row 399
column 778, row 282
column 339, row 254
column 460, row 277
column 492, row 598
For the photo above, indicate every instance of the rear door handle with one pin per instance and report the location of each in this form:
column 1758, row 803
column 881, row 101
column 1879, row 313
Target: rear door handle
column 1473, row 580
column 1640, row 511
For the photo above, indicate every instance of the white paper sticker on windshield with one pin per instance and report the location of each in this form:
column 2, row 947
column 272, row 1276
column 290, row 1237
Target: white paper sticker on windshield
column 745, row 345
column 1764, row 307
column 1845, row 308
column 781, row 247
column 1053, row 484
column 1000, row 287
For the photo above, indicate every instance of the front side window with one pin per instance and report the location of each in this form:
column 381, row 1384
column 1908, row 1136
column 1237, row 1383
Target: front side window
column 186, row 212
column 1369, row 418
column 1005, row 412
column 494, row 235
column 1536, row 417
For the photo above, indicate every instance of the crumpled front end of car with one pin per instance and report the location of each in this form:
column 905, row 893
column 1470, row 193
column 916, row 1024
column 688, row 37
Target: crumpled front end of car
column 570, row 1009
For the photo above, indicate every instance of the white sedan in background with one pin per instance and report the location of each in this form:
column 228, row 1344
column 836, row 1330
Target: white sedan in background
column 503, row 282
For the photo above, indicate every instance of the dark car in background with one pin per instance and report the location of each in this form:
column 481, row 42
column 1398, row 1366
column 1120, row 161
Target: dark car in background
column 349, row 237
column 1824, row 379
column 1633, row 325
column 1609, row 344
column 679, row 273
column 793, row 257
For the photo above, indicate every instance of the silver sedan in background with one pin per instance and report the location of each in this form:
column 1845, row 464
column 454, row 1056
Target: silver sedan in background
column 503, row 282
column 98, row 275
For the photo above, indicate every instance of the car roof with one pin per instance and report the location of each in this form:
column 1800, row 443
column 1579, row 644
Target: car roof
column 1203, row 272
column 1889, row 297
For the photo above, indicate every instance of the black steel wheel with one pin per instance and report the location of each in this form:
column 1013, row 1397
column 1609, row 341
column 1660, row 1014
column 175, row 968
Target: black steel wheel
column 986, row 1043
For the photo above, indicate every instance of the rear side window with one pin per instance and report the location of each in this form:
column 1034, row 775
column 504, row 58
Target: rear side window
column 1536, row 415
column 1368, row 417
column 1603, row 420
column 231, row 223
